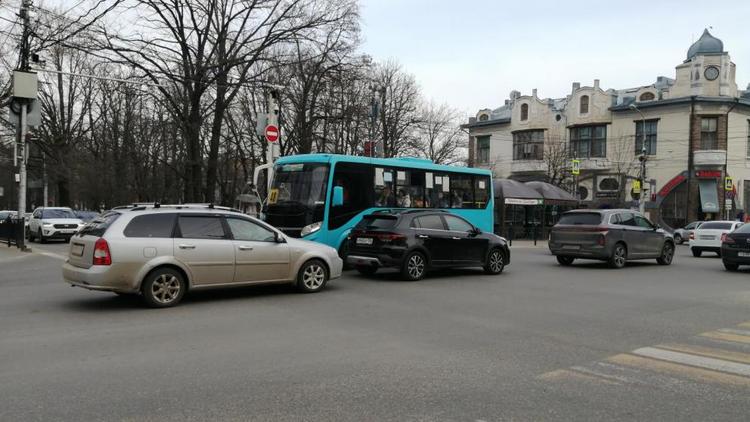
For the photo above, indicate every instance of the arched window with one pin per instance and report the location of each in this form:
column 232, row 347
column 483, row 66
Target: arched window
column 647, row 96
column 483, row 117
column 524, row 112
column 584, row 104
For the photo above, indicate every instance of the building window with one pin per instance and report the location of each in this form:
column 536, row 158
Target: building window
column 588, row 141
column 650, row 137
column 524, row 112
column 484, row 117
column 528, row 145
column 709, row 137
column 648, row 96
column 483, row 149
column 584, row 104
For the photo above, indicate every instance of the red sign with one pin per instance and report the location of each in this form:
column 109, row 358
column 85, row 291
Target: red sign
column 671, row 185
column 708, row 174
column 272, row 133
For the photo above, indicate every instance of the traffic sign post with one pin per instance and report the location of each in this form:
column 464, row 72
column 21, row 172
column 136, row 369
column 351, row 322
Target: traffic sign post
column 575, row 167
column 728, row 183
column 271, row 133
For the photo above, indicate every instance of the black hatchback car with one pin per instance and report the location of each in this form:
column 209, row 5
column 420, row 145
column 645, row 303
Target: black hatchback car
column 415, row 241
column 735, row 248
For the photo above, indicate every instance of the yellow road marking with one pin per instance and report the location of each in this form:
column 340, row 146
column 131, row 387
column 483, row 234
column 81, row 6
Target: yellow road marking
column 562, row 374
column 704, row 375
column 718, row 335
column 708, row 352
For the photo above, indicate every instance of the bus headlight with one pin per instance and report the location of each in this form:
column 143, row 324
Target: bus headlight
column 311, row 228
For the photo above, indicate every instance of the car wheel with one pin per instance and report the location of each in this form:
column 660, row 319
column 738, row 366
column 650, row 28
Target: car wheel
column 619, row 256
column 312, row 277
column 565, row 260
column 667, row 254
column 730, row 266
column 41, row 237
column 495, row 262
column 367, row 269
column 163, row 288
column 678, row 239
column 696, row 252
column 414, row 266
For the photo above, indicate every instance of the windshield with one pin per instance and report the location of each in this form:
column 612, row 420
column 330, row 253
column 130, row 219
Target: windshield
column 299, row 184
column 58, row 214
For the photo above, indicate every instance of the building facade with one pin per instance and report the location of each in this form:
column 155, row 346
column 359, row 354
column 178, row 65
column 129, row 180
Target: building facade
column 693, row 131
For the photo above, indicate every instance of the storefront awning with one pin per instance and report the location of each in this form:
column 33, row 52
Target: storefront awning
column 513, row 192
column 709, row 195
column 552, row 194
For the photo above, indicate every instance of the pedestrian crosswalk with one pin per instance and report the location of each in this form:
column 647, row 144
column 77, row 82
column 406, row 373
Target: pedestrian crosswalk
column 720, row 358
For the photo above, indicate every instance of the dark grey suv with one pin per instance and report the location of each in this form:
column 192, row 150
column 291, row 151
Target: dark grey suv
column 615, row 236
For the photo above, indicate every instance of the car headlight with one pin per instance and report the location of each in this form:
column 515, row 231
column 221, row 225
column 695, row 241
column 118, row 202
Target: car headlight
column 47, row 224
column 311, row 228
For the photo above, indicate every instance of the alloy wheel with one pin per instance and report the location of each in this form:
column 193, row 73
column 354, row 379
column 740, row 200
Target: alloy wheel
column 165, row 289
column 496, row 261
column 415, row 266
column 668, row 253
column 314, row 276
column 619, row 256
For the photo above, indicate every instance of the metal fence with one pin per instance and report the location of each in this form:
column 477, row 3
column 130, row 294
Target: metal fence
column 12, row 232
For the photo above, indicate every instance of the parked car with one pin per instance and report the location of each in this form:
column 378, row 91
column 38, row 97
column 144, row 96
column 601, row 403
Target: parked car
column 53, row 223
column 5, row 213
column 415, row 240
column 735, row 248
column 161, row 252
column 615, row 236
column 682, row 235
column 707, row 237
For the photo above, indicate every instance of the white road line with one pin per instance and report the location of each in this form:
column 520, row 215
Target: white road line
column 735, row 331
column 692, row 360
column 52, row 255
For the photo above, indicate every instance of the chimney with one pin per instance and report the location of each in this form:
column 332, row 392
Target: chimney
column 533, row 92
column 576, row 86
column 596, row 83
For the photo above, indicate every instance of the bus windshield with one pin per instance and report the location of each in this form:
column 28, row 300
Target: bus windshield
column 302, row 184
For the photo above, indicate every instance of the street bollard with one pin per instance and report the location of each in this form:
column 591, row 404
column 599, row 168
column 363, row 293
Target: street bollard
column 533, row 233
column 510, row 234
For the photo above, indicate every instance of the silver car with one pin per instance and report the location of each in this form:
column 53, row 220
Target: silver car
column 682, row 235
column 161, row 252
column 615, row 236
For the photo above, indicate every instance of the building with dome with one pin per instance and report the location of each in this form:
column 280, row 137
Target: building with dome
column 693, row 131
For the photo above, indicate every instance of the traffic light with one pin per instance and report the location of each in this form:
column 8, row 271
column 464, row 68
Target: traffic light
column 369, row 150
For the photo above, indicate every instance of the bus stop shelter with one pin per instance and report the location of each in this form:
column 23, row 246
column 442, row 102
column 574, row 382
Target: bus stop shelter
column 515, row 208
column 556, row 201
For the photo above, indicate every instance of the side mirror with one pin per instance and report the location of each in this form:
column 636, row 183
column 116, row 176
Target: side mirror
column 338, row 196
column 279, row 238
column 475, row 231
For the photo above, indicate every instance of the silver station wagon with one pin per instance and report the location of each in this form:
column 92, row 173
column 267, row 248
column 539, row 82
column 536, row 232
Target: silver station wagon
column 615, row 236
column 161, row 252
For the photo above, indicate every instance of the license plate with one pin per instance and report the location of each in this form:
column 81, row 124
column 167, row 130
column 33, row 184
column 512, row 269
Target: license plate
column 743, row 254
column 364, row 241
column 572, row 247
column 707, row 237
column 68, row 231
column 77, row 249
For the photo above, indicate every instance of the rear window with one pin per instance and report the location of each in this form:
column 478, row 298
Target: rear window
column 99, row 225
column 150, row 225
column 714, row 225
column 372, row 222
column 581, row 218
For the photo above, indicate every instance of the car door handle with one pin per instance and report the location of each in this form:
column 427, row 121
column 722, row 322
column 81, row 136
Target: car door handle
column 423, row 236
column 186, row 246
column 245, row 248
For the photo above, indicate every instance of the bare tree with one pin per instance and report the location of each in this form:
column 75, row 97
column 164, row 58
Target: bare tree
column 399, row 112
column 557, row 162
column 439, row 136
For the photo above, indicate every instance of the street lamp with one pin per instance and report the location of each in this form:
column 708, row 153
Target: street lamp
column 642, row 200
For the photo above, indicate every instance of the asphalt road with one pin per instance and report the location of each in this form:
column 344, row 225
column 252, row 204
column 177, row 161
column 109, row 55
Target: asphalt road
column 539, row 342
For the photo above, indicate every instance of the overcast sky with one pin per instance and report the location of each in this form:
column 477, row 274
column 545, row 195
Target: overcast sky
column 471, row 54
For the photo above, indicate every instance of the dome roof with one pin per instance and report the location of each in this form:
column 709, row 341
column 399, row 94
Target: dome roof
column 707, row 43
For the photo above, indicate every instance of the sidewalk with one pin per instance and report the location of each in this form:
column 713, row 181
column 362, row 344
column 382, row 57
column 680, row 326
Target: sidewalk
column 11, row 253
column 529, row 244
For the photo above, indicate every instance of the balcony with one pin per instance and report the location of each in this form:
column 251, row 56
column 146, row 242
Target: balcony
column 710, row 158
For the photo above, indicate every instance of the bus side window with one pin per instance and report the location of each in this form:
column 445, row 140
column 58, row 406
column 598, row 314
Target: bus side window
column 383, row 187
column 481, row 191
column 357, row 182
column 436, row 188
column 414, row 188
column 462, row 191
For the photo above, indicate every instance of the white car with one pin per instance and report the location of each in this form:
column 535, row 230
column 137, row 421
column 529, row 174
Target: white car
column 53, row 223
column 708, row 236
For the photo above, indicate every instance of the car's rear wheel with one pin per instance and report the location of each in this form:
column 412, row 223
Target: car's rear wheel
column 414, row 266
column 678, row 239
column 495, row 262
column 696, row 252
column 367, row 269
column 731, row 266
column 565, row 260
column 619, row 256
column 667, row 254
column 163, row 287
column 312, row 276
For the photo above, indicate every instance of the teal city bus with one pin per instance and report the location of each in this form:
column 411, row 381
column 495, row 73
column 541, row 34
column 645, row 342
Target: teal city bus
column 321, row 197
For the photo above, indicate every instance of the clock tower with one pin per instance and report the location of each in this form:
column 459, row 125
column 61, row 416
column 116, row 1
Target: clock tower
column 707, row 71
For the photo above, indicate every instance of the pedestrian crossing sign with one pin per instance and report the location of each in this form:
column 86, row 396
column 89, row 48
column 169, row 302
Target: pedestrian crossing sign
column 575, row 167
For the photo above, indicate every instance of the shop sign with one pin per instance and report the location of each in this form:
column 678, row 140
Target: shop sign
column 519, row 201
column 708, row 174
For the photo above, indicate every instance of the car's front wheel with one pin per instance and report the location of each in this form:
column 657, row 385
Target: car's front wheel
column 312, row 276
column 731, row 266
column 565, row 260
column 667, row 254
column 414, row 266
column 163, row 287
column 678, row 239
column 495, row 262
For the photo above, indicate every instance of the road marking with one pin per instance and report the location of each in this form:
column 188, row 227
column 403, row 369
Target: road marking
column 693, row 360
column 708, row 352
column 700, row 374
column 562, row 374
column 734, row 331
column 718, row 335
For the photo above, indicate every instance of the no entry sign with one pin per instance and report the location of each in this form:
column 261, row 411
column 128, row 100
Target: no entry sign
column 272, row 133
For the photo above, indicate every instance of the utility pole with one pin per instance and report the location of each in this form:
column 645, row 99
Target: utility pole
column 642, row 158
column 23, row 102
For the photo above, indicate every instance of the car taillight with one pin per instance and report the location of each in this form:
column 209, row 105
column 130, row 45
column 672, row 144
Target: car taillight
column 101, row 253
column 390, row 237
column 692, row 236
column 726, row 239
column 601, row 240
